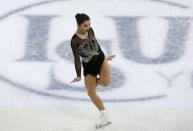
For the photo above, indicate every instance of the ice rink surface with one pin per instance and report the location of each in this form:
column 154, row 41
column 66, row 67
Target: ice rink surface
column 152, row 74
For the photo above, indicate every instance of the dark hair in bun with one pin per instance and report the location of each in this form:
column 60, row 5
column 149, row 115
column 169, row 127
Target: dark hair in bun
column 81, row 17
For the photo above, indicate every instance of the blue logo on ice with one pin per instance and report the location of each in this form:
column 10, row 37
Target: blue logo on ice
column 43, row 59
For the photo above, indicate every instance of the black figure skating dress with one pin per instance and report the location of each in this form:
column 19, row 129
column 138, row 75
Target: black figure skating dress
column 89, row 51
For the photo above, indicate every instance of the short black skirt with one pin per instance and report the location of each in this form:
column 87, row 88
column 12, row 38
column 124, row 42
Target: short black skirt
column 94, row 65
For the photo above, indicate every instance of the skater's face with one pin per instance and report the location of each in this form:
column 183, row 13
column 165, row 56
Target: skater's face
column 84, row 27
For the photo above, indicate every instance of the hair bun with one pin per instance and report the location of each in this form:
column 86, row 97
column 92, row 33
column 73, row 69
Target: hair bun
column 81, row 17
column 77, row 15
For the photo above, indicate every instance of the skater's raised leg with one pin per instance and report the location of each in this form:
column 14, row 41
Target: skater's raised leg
column 90, row 82
column 105, row 74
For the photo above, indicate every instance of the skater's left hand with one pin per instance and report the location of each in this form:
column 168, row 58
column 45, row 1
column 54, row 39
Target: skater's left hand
column 76, row 79
column 110, row 57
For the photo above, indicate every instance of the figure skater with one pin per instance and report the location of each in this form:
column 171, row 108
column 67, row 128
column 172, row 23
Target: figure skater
column 94, row 62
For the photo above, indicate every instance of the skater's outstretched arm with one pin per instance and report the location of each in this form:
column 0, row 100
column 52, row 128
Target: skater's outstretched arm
column 77, row 63
column 92, row 31
column 108, row 57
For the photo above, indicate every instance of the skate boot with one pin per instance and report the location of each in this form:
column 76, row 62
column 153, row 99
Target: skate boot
column 103, row 119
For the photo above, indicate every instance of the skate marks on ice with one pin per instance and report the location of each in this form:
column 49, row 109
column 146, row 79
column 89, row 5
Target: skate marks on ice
column 68, row 118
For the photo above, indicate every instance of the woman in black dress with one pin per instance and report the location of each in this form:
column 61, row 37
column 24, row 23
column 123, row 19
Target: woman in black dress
column 94, row 62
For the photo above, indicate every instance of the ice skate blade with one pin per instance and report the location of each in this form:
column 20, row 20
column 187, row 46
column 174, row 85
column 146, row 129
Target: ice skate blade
column 100, row 126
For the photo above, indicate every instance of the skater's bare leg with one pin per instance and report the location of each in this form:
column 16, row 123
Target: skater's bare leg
column 105, row 74
column 90, row 83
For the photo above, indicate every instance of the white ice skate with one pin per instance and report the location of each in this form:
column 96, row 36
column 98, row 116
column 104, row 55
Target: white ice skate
column 103, row 120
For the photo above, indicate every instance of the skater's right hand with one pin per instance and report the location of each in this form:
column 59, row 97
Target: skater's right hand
column 76, row 79
column 110, row 57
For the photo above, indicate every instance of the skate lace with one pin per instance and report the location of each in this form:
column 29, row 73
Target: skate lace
column 103, row 116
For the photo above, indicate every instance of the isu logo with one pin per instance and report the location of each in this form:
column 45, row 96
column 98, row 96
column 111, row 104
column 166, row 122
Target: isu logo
column 152, row 48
